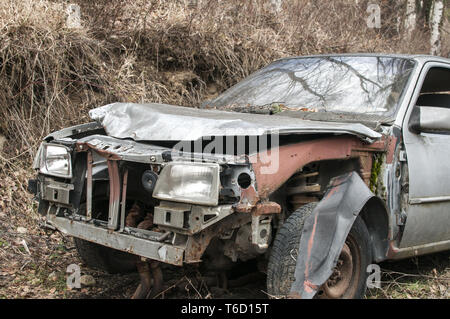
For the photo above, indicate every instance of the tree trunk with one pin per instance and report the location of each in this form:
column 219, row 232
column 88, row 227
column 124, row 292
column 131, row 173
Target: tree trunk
column 411, row 17
column 435, row 24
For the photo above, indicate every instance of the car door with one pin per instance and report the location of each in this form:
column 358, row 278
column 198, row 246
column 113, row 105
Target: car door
column 428, row 160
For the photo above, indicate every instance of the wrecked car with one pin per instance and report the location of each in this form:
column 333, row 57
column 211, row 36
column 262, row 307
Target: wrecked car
column 315, row 166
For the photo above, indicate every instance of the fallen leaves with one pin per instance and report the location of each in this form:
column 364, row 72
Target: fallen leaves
column 87, row 280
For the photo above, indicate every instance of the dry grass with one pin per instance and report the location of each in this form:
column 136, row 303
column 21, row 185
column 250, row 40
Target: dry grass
column 49, row 74
column 425, row 277
column 159, row 51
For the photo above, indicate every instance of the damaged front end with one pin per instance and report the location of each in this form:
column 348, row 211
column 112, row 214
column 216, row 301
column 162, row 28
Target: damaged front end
column 110, row 185
column 147, row 200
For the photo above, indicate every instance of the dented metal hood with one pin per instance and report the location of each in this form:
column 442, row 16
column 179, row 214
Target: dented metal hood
column 161, row 122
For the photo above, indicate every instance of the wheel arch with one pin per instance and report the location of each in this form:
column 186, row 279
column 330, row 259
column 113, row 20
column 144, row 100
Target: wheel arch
column 376, row 218
column 326, row 229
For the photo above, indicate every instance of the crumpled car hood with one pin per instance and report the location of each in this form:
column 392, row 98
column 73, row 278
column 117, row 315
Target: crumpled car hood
column 161, row 122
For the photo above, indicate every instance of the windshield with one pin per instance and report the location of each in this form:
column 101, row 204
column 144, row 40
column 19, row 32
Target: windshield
column 324, row 84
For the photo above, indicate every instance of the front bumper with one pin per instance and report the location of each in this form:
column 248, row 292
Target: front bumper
column 171, row 244
column 152, row 249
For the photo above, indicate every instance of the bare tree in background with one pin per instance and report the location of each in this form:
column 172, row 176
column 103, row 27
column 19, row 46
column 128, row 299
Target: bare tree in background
column 411, row 17
column 429, row 12
column 436, row 14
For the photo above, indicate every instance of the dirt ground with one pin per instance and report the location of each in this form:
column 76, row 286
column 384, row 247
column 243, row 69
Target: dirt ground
column 37, row 269
column 33, row 263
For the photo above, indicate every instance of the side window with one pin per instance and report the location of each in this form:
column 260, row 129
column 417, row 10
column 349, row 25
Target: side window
column 431, row 112
column 435, row 91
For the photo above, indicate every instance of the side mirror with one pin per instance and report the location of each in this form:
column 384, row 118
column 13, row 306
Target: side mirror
column 429, row 119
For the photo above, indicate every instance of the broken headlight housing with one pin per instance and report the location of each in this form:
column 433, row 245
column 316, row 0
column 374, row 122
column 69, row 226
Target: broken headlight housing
column 195, row 183
column 55, row 160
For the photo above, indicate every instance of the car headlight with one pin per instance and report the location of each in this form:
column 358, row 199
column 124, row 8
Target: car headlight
column 55, row 161
column 195, row 183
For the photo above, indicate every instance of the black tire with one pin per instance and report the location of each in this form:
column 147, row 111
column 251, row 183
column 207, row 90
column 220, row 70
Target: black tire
column 282, row 262
column 104, row 258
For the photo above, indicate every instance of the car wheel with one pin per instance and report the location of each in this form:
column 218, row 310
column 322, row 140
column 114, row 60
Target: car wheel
column 104, row 258
column 349, row 276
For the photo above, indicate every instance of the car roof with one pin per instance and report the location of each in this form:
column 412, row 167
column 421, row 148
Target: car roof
column 418, row 57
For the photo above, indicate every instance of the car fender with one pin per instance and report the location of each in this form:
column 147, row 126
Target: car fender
column 325, row 231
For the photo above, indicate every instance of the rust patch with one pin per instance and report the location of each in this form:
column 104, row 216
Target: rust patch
column 266, row 208
column 310, row 245
column 114, row 182
column 392, row 250
column 84, row 147
column 198, row 243
column 332, row 191
column 292, row 158
column 249, row 198
column 365, row 160
column 309, row 287
column 89, row 186
column 392, row 142
column 196, row 246
column 124, row 199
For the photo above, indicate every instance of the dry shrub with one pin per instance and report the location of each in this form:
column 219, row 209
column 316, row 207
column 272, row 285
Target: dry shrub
column 49, row 73
column 223, row 41
column 161, row 51
column 446, row 35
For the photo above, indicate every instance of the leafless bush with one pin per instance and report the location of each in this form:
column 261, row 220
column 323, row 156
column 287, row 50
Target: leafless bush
column 161, row 51
column 48, row 74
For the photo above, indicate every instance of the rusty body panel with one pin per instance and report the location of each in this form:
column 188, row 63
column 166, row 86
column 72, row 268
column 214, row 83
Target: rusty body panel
column 123, row 203
column 198, row 243
column 249, row 198
column 84, row 147
column 114, row 197
column 266, row 208
column 325, row 232
column 294, row 157
column 89, row 187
